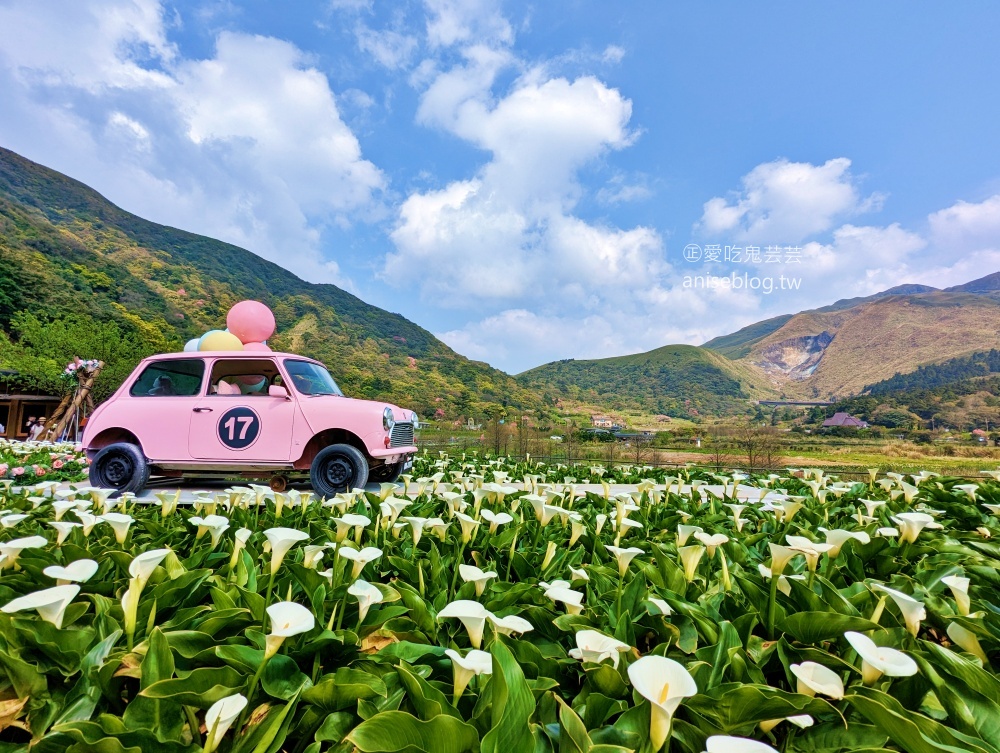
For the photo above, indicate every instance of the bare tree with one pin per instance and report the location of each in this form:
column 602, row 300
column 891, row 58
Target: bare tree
column 759, row 447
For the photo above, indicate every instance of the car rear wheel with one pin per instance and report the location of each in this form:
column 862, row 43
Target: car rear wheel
column 338, row 468
column 387, row 473
column 120, row 466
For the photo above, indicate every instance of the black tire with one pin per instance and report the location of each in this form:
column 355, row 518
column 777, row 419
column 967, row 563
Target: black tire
column 338, row 468
column 120, row 466
column 387, row 473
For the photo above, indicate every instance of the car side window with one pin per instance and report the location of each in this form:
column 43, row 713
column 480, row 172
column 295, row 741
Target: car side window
column 180, row 378
column 242, row 377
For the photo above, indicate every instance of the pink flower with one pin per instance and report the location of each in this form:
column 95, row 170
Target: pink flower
column 39, row 471
column 57, row 464
column 3, row 469
column 19, row 471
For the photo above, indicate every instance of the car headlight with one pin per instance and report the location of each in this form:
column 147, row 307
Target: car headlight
column 387, row 420
column 415, row 420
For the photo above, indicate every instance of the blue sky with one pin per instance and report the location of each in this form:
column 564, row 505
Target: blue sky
column 522, row 179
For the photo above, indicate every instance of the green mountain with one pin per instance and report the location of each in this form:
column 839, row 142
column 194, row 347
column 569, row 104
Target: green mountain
column 828, row 353
column 71, row 257
column 677, row 380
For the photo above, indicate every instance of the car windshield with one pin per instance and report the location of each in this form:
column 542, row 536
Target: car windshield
column 311, row 378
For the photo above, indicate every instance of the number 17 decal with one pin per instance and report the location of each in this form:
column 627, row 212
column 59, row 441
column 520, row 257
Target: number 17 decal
column 239, row 428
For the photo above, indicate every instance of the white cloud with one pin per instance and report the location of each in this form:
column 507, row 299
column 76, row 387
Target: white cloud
column 966, row 226
column 247, row 145
column 94, row 46
column 787, row 202
column 613, row 54
column 390, row 48
column 452, row 22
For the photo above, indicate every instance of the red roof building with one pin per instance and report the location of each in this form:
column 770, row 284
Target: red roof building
column 845, row 419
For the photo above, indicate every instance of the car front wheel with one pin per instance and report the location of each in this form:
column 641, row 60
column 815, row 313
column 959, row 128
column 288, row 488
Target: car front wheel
column 120, row 466
column 338, row 468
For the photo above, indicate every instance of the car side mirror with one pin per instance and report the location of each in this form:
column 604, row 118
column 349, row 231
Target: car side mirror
column 276, row 390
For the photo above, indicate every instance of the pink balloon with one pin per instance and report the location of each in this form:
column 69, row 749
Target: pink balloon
column 251, row 321
column 257, row 346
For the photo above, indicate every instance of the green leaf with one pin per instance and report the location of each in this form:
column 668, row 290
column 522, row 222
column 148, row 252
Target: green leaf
column 344, row 689
column 399, row 732
column 914, row 733
column 734, row 705
column 427, row 700
column 573, row 737
column 512, row 704
column 201, row 687
column 814, row 627
column 334, row 727
column 158, row 664
column 282, row 678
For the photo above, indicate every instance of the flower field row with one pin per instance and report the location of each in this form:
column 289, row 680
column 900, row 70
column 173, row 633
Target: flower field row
column 465, row 613
column 30, row 462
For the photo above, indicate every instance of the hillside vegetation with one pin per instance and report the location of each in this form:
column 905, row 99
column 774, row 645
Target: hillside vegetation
column 72, row 257
column 677, row 380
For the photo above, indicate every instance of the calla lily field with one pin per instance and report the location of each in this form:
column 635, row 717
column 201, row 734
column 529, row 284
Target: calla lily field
column 506, row 606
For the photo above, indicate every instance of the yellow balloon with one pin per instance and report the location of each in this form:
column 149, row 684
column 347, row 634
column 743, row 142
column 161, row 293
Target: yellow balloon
column 220, row 341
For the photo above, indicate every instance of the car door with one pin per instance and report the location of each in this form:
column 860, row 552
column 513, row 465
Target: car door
column 240, row 428
column 158, row 405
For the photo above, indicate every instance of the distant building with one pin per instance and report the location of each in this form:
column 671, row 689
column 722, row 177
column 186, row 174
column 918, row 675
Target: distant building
column 17, row 406
column 603, row 422
column 845, row 419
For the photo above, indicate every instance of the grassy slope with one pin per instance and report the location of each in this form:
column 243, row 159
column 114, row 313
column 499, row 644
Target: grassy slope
column 889, row 335
column 66, row 249
column 676, row 380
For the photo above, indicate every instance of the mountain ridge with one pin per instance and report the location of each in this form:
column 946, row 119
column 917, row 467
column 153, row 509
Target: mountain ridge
column 68, row 251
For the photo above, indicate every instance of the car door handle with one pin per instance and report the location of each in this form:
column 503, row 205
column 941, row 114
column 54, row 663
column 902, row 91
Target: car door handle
column 202, row 410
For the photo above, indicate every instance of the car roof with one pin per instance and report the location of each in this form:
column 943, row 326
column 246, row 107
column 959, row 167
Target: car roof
column 235, row 354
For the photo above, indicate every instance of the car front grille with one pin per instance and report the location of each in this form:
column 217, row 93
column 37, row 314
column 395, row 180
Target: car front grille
column 401, row 435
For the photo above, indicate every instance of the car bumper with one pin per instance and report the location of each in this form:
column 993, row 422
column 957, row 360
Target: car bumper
column 394, row 454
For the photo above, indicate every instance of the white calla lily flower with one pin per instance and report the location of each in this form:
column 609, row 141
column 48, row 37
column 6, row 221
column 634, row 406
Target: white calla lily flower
column 50, row 603
column 572, row 599
column 911, row 524
column 728, row 744
column 711, row 542
column 593, row 646
column 220, row 717
column 287, row 619
column 367, row 595
column 837, row 537
column 11, row 550
column 685, row 532
column 360, row 558
column 79, row 571
column 143, row 565
column 690, row 557
column 815, row 679
column 510, row 624
column 960, row 590
column 623, row 556
column 474, row 663
column 913, row 610
column 967, row 641
column 282, row 540
column 879, row 660
column 471, row 614
column 120, row 524
column 63, row 529
column 664, row 683
column 473, row 574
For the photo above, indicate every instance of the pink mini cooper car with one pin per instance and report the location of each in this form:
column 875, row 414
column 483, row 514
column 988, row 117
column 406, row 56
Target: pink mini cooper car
column 252, row 414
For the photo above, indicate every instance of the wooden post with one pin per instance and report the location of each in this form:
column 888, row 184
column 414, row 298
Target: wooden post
column 82, row 395
column 57, row 414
